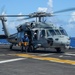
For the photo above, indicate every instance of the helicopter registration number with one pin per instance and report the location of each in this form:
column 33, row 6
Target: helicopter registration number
column 23, row 43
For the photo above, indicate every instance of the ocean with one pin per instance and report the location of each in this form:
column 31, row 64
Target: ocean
column 72, row 44
column 4, row 41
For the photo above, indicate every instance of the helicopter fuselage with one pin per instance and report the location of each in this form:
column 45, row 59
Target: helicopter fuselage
column 46, row 37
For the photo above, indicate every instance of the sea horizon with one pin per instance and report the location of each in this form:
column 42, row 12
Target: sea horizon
column 72, row 44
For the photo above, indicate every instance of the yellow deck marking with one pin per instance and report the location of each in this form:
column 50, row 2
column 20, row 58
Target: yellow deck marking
column 47, row 58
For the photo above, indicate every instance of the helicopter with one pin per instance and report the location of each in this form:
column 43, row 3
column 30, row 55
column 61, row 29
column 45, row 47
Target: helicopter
column 40, row 33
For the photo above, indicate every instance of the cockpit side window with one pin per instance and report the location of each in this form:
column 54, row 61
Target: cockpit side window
column 52, row 32
column 48, row 33
column 43, row 33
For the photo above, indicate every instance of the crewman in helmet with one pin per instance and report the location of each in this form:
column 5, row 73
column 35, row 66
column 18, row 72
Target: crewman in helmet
column 25, row 41
column 25, row 38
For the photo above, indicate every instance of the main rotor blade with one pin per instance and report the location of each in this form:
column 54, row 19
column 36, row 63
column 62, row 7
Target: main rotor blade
column 65, row 10
column 13, row 15
column 20, row 19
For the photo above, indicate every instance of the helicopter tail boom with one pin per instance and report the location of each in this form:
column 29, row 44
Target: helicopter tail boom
column 3, row 20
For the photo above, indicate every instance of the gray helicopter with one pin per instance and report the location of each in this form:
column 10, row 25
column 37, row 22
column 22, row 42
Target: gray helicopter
column 40, row 33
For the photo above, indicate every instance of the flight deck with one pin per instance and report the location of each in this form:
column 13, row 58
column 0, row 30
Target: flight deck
column 40, row 62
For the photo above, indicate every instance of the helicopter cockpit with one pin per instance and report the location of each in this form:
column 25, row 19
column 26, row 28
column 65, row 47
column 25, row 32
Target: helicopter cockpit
column 52, row 32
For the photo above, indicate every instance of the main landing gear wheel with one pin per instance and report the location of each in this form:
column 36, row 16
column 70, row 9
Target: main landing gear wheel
column 11, row 46
column 31, row 48
column 58, row 50
column 24, row 48
column 21, row 48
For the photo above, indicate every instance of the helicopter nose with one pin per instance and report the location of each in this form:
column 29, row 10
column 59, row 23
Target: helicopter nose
column 63, row 41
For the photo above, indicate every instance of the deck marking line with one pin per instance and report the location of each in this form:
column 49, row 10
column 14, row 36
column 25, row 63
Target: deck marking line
column 52, row 59
column 69, row 54
column 44, row 54
column 11, row 60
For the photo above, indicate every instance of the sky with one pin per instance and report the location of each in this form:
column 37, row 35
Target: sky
column 65, row 19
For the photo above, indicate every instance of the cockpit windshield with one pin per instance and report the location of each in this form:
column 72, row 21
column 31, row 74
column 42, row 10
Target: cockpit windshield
column 57, row 32
column 52, row 32
column 63, row 32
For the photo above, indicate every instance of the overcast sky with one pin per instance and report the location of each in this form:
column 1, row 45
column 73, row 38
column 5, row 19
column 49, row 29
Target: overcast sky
column 66, row 19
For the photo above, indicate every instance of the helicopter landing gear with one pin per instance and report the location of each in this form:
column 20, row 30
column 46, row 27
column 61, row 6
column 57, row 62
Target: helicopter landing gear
column 21, row 48
column 11, row 46
column 24, row 48
column 58, row 50
column 30, row 48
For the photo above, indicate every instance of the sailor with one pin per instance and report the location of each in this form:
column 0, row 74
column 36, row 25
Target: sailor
column 25, row 41
column 25, row 38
